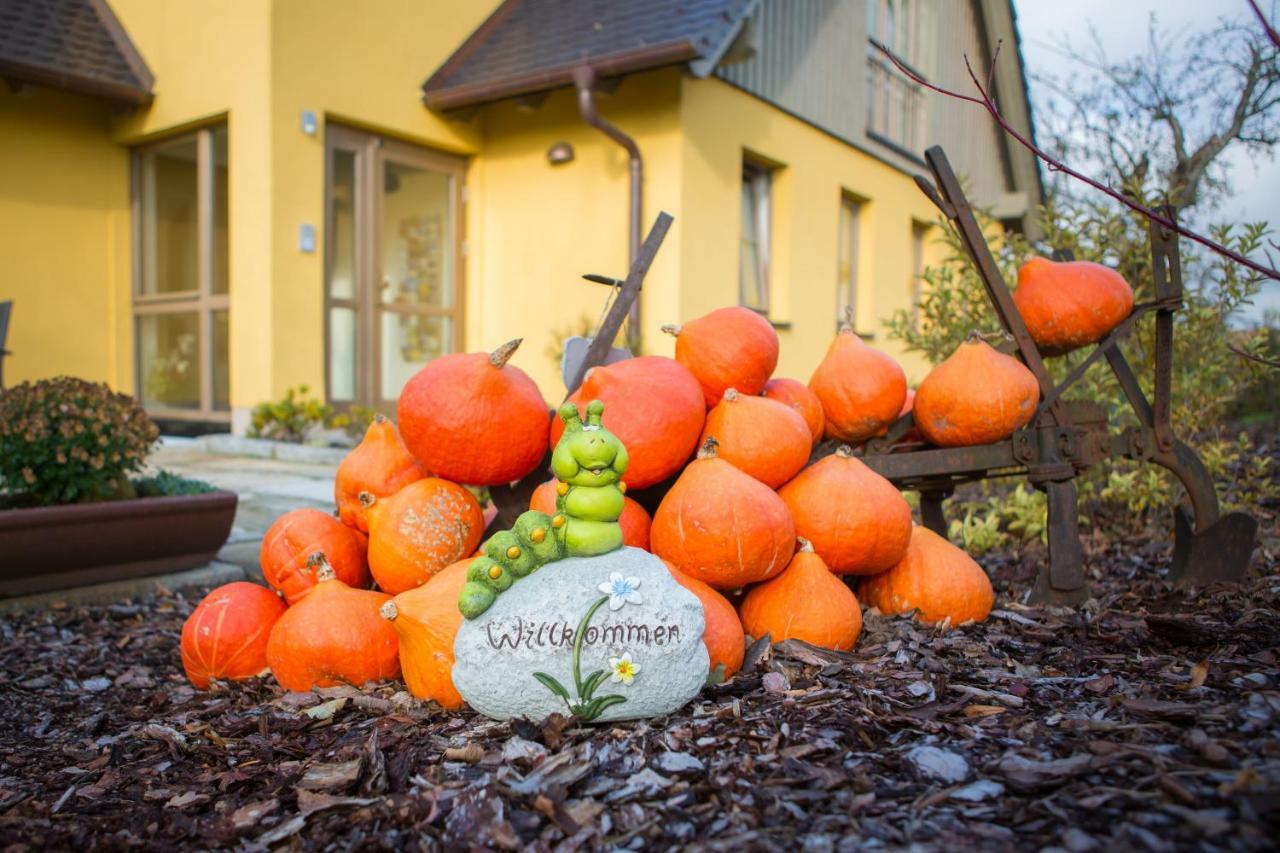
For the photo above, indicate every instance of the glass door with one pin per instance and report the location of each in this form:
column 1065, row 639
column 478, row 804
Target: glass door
column 393, row 266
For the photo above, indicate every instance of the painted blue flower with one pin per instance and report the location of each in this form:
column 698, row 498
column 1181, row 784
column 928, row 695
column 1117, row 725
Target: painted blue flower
column 621, row 591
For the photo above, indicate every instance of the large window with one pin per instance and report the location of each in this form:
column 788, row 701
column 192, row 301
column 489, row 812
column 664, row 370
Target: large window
column 895, row 105
column 847, row 260
column 180, row 298
column 753, row 270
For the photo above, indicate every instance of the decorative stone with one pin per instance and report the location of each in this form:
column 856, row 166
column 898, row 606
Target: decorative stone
column 643, row 642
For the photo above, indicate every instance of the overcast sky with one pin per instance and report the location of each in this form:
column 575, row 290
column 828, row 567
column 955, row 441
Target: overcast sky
column 1122, row 26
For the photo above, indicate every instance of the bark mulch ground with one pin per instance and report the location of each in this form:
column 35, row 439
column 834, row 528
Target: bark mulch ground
column 1147, row 719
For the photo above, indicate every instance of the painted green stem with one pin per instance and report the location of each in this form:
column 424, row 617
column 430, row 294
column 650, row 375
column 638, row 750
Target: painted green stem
column 577, row 643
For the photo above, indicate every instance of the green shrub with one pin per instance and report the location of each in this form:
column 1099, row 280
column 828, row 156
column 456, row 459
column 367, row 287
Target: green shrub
column 1207, row 375
column 168, row 484
column 291, row 418
column 65, row 440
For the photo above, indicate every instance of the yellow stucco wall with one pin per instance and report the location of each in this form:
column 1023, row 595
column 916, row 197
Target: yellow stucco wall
column 540, row 227
column 721, row 124
column 64, row 232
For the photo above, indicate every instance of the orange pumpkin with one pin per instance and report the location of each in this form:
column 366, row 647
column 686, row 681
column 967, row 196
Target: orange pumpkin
column 419, row 530
column 655, row 408
column 723, row 636
column 225, row 637
column 729, row 348
column 473, row 418
column 295, row 536
column 427, row 620
column 797, row 395
column 976, row 396
column 936, row 579
column 333, row 636
column 767, row 439
column 722, row 526
column 634, row 521
column 861, row 389
column 380, row 465
column 806, row 602
column 1070, row 304
column 908, row 405
column 856, row 520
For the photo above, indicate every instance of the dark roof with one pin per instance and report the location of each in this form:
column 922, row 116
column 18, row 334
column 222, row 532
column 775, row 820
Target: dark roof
column 532, row 45
column 77, row 45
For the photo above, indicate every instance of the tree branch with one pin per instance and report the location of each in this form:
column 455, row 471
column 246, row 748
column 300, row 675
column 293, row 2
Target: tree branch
column 984, row 100
column 1266, row 25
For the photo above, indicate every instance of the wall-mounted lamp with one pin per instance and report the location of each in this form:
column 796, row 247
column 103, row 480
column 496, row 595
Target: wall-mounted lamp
column 560, row 153
column 309, row 123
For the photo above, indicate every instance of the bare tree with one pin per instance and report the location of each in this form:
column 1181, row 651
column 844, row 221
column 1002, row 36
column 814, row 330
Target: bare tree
column 1161, row 121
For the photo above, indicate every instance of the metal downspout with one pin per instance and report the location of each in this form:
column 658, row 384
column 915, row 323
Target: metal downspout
column 584, row 78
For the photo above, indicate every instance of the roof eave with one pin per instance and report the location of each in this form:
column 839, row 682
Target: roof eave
column 611, row 65
column 54, row 78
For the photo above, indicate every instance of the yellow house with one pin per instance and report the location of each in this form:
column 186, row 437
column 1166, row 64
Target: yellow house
column 208, row 203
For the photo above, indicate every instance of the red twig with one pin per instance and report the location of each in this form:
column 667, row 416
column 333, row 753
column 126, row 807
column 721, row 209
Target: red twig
column 1266, row 25
column 984, row 100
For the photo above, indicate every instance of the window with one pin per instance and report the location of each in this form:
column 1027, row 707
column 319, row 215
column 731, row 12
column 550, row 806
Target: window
column 917, row 270
column 180, row 301
column 753, row 270
column 894, row 104
column 847, row 261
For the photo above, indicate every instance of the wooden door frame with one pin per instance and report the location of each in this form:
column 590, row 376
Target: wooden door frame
column 372, row 152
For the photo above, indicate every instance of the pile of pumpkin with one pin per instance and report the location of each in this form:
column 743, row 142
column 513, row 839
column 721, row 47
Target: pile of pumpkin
column 746, row 517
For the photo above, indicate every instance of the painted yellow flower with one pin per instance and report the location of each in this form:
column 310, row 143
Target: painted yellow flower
column 624, row 669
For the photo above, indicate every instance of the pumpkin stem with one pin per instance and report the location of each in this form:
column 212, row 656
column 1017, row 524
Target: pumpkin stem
column 708, row 450
column 379, row 418
column 731, row 394
column 672, row 329
column 388, row 610
column 320, row 564
column 806, row 547
column 974, row 337
column 503, row 354
column 366, row 499
column 844, row 451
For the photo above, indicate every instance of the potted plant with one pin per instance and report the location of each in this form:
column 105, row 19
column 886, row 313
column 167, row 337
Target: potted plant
column 69, row 512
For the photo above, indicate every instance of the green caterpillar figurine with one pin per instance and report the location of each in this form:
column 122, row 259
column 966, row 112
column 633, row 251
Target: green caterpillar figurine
column 588, row 463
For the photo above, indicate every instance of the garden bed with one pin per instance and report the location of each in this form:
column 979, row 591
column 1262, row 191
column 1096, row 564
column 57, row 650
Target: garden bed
column 1149, row 719
column 54, row 547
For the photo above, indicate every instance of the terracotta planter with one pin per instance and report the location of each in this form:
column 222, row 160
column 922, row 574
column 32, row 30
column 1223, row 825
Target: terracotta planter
column 55, row 547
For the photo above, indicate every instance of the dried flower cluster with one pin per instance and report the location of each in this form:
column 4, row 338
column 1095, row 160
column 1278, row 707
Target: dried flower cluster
column 64, row 440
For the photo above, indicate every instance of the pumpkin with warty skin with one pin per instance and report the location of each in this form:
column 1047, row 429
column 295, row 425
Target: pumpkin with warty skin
column 731, row 347
column 936, row 579
column 797, row 395
column 225, row 637
column 861, row 389
column 335, row 635
column 655, row 407
column 976, row 396
column 473, row 418
column 721, row 525
column 766, row 439
column 634, row 521
column 289, row 543
column 427, row 620
column 1070, row 304
column 806, row 602
column 419, row 530
column 380, row 465
column 856, row 520
column 722, row 634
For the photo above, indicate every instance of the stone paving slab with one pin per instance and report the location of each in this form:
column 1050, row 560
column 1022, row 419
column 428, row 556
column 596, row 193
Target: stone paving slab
column 213, row 574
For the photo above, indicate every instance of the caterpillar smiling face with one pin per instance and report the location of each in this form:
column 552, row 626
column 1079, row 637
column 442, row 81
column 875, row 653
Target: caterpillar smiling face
column 589, row 462
column 587, row 454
